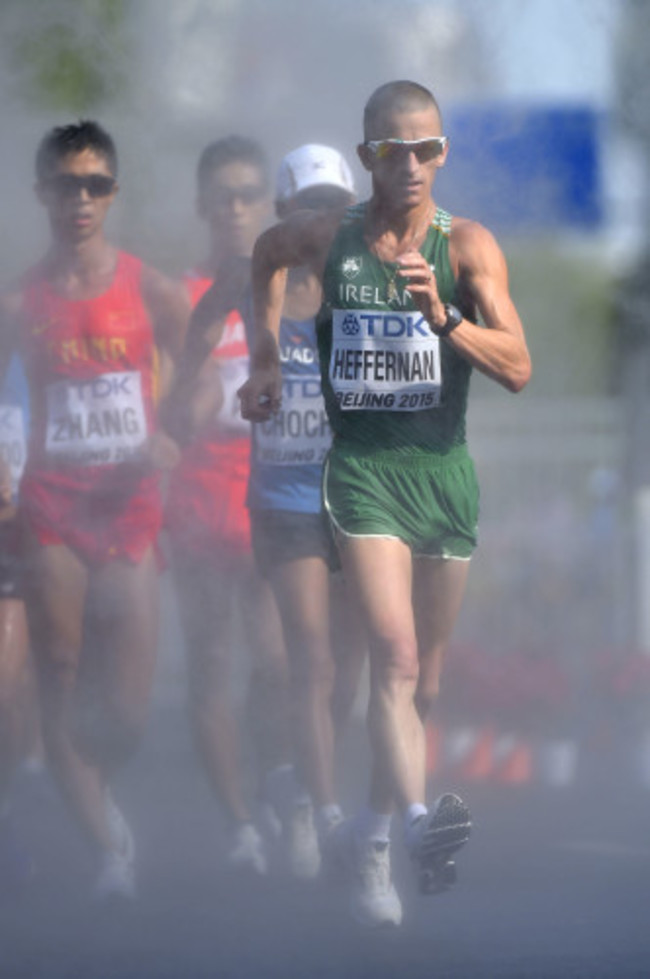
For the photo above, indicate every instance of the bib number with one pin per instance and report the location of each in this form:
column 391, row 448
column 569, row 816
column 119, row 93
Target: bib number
column 384, row 361
column 299, row 434
column 96, row 422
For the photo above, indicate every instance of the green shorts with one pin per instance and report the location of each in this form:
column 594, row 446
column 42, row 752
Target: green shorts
column 426, row 500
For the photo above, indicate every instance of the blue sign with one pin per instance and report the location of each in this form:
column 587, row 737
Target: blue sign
column 523, row 168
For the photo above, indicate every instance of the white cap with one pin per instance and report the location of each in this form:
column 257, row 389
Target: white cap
column 312, row 166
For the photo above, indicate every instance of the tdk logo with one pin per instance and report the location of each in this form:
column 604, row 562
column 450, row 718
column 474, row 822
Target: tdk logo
column 391, row 325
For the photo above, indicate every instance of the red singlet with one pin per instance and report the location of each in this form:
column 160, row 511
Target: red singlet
column 206, row 503
column 90, row 365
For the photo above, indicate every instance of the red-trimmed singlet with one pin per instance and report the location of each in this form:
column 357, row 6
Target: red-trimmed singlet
column 206, row 511
column 91, row 369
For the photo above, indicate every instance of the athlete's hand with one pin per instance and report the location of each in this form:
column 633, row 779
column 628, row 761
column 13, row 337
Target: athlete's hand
column 5, row 482
column 421, row 283
column 161, row 452
column 261, row 395
column 7, row 508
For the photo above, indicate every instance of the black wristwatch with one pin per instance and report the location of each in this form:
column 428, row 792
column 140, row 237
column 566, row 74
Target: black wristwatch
column 454, row 319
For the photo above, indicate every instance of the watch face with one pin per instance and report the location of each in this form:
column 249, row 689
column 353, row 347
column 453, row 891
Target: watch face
column 454, row 316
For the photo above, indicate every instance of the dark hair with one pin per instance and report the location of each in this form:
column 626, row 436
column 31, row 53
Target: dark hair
column 75, row 138
column 400, row 96
column 231, row 149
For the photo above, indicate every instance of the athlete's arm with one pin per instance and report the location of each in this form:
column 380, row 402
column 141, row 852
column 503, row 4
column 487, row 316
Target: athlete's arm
column 261, row 395
column 10, row 310
column 210, row 314
column 169, row 308
column 303, row 238
column 206, row 399
column 203, row 334
column 500, row 351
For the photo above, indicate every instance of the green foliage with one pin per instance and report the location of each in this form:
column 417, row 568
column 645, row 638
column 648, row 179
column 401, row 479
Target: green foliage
column 566, row 299
column 66, row 55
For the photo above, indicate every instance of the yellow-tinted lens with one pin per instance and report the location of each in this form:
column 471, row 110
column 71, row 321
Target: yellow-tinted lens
column 395, row 149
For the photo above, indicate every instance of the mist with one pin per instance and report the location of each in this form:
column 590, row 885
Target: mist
column 543, row 716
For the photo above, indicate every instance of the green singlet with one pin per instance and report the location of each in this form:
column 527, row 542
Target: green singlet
column 396, row 397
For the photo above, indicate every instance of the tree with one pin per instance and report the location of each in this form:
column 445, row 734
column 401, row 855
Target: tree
column 64, row 55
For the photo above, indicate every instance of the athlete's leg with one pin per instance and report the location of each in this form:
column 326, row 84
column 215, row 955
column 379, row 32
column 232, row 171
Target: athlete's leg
column 432, row 835
column 379, row 570
column 438, row 590
column 268, row 694
column 350, row 649
column 119, row 652
column 55, row 605
column 301, row 588
column 206, row 593
column 33, row 753
column 13, row 664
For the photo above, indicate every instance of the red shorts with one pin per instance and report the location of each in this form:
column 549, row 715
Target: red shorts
column 206, row 502
column 103, row 522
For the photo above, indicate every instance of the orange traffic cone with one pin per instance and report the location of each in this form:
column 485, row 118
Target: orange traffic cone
column 516, row 764
column 479, row 761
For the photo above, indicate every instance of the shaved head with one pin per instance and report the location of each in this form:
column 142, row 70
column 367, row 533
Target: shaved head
column 400, row 96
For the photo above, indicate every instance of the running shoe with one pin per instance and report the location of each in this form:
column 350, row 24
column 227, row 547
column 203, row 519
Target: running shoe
column 338, row 849
column 270, row 822
column 365, row 867
column 115, row 881
column 301, row 842
column 247, row 850
column 374, row 902
column 436, row 836
column 119, row 829
column 116, row 878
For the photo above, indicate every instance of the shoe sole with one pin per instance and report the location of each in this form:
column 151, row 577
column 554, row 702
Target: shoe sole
column 376, row 924
column 448, row 830
column 248, row 868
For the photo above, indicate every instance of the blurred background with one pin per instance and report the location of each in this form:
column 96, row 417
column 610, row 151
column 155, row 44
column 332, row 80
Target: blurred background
column 547, row 107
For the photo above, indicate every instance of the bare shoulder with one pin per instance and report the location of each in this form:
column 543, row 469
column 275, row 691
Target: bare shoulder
column 169, row 307
column 472, row 246
column 157, row 286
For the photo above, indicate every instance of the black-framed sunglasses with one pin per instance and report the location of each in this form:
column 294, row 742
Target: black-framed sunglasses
column 69, row 185
column 395, row 149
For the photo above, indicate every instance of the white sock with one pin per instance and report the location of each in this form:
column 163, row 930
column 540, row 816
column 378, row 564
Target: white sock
column 414, row 812
column 372, row 825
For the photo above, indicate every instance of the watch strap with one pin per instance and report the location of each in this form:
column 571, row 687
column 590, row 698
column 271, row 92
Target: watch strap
column 454, row 319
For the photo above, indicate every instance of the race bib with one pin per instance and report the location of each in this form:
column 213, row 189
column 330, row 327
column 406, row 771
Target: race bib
column 96, row 422
column 13, row 444
column 233, row 372
column 384, row 361
column 299, row 434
